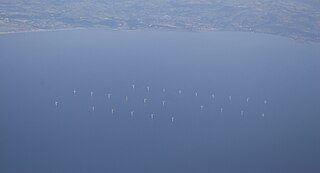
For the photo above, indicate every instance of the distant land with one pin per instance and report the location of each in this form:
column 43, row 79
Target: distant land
column 296, row 19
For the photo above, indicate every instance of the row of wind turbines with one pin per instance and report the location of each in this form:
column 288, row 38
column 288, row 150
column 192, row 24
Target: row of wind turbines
column 152, row 115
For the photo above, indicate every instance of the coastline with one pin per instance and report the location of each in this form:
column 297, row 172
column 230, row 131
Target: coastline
column 304, row 41
column 41, row 30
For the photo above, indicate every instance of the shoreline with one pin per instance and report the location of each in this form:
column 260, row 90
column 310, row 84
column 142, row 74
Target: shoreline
column 83, row 28
column 41, row 30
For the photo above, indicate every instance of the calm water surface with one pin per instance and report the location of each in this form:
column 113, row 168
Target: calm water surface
column 38, row 69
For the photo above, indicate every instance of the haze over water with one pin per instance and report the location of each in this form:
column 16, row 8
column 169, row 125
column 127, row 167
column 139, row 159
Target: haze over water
column 38, row 69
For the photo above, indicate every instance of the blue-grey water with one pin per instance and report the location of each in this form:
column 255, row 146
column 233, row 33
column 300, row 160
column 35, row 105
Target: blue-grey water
column 38, row 70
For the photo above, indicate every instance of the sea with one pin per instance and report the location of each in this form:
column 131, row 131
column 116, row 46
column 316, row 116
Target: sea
column 158, row 102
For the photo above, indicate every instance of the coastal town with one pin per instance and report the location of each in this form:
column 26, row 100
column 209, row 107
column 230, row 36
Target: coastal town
column 289, row 18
